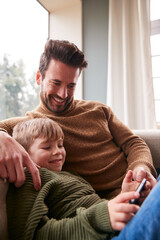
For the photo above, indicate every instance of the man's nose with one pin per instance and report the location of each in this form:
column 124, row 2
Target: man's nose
column 62, row 92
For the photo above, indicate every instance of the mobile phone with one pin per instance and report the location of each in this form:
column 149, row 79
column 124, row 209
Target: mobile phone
column 139, row 189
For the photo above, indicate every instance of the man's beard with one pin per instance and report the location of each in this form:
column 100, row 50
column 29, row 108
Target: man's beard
column 49, row 105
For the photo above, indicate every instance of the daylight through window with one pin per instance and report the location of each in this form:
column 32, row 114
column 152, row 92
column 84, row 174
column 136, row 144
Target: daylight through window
column 24, row 31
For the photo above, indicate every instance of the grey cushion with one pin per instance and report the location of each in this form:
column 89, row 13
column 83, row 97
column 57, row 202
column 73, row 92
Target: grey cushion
column 152, row 138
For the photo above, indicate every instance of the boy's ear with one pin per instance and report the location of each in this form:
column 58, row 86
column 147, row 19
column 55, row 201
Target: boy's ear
column 38, row 77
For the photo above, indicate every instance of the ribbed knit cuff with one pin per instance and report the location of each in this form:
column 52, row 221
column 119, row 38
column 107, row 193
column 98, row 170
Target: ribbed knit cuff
column 98, row 216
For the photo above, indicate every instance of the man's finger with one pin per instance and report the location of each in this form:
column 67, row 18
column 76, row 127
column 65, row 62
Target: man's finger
column 151, row 179
column 3, row 172
column 33, row 169
column 19, row 174
column 139, row 173
column 11, row 171
column 147, row 186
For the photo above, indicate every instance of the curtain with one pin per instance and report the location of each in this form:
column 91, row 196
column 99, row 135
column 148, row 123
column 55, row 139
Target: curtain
column 130, row 86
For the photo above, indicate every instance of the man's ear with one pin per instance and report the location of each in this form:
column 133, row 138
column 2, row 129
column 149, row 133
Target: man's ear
column 38, row 77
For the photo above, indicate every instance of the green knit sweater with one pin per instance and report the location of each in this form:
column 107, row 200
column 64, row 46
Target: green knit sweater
column 66, row 208
column 99, row 147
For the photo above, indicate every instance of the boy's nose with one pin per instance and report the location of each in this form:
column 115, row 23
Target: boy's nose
column 56, row 151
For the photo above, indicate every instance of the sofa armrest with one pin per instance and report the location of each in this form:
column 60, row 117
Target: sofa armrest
column 152, row 138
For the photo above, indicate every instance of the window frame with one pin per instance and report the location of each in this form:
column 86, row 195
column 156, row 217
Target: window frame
column 155, row 29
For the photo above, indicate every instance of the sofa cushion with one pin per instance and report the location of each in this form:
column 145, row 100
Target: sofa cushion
column 152, row 138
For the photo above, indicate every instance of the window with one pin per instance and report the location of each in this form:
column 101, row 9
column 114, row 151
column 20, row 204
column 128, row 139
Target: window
column 155, row 49
column 24, row 31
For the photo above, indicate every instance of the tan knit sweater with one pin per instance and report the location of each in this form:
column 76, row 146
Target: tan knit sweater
column 66, row 208
column 99, row 147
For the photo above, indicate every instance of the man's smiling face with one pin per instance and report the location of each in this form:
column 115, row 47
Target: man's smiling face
column 58, row 85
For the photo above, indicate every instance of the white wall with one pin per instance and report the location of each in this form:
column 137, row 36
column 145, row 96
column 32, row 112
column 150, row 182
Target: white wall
column 66, row 24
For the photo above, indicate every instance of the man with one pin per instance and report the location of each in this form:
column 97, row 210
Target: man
column 99, row 147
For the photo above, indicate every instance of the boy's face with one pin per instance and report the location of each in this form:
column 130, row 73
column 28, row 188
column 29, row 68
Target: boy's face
column 48, row 154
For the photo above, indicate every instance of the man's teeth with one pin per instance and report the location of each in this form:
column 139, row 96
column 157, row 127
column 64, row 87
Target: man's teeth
column 59, row 100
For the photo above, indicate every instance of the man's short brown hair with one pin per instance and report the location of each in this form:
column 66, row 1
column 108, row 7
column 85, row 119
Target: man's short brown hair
column 63, row 51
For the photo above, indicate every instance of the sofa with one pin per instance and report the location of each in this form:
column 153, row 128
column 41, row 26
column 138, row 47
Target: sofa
column 152, row 138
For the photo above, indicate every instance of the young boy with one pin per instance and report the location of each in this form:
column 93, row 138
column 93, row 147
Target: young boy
column 42, row 138
column 66, row 207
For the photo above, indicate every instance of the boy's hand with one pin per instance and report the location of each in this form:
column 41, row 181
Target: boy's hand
column 128, row 184
column 120, row 211
column 13, row 159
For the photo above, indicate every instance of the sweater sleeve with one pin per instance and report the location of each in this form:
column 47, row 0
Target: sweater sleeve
column 8, row 124
column 91, row 223
column 66, row 207
column 134, row 148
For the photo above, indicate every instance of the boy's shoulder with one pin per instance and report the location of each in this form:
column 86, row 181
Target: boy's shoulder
column 63, row 177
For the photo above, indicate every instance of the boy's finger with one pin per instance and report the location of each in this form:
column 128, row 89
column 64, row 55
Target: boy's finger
column 128, row 177
column 127, row 196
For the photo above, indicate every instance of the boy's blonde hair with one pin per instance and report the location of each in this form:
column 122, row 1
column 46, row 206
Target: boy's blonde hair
column 27, row 131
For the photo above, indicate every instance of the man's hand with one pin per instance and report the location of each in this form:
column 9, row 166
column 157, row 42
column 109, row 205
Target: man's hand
column 129, row 184
column 120, row 211
column 138, row 174
column 13, row 159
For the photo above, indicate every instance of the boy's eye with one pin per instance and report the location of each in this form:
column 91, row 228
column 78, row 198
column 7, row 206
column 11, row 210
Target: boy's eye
column 46, row 148
column 60, row 145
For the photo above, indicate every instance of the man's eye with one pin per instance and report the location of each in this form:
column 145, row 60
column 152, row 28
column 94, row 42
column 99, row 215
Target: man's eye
column 57, row 84
column 71, row 86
